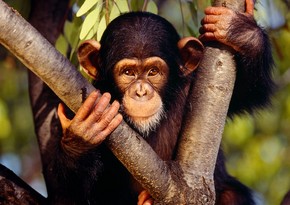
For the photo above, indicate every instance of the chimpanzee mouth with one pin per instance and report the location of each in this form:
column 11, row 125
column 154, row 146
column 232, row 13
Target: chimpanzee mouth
column 145, row 125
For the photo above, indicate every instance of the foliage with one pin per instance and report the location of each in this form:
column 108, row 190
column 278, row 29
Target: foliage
column 257, row 147
column 91, row 20
column 92, row 16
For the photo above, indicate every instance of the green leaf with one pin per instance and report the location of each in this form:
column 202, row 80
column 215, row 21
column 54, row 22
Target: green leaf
column 4, row 120
column 137, row 5
column 73, row 38
column 152, row 7
column 120, row 6
column 61, row 45
column 68, row 30
column 74, row 34
column 22, row 6
column 101, row 28
column 88, row 4
column 92, row 32
column 191, row 31
column 91, row 19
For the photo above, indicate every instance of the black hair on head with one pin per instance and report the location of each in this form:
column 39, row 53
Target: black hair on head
column 140, row 35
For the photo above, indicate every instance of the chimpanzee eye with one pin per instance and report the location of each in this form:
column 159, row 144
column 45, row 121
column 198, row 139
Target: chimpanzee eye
column 154, row 71
column 129, row 72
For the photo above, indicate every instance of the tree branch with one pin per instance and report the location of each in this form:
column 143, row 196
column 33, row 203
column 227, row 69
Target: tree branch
column 214, row 84
column 14, row 190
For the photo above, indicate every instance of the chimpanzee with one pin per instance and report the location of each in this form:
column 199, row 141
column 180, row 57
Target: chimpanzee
column 144, row 69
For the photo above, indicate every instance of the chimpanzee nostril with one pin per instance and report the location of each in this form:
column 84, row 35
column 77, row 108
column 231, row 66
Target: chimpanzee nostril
column 141, row 92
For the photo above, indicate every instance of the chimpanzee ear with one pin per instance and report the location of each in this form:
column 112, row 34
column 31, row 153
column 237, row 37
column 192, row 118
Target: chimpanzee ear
column 88, row 55
column 191, row 50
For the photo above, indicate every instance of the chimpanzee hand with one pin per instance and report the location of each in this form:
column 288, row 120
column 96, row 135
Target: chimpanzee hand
column 93, row 122
column 145, row 198
column 219, row 24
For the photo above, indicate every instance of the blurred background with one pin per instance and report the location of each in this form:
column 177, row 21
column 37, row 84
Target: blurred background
column 257, row 147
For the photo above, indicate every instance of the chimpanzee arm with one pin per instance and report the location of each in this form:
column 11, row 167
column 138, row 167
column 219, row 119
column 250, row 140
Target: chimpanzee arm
column 77, row 162
column 70, row 175
column 254, row 84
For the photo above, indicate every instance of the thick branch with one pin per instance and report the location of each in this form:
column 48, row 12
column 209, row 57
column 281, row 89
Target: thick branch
column 201, row 136
column 208, row 104
column 13, row 190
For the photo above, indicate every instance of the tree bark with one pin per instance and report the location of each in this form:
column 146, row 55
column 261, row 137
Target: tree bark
column 15, row 191
column 202, row 131
column 208, row 104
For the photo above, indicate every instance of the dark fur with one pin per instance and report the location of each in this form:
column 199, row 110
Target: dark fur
column 286, row 199
column 254, row 84
column 96, row 176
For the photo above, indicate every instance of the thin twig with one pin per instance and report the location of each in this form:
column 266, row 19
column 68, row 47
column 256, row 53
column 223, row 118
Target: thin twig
column 182, row 17
column 107, row 12
column 145, row 5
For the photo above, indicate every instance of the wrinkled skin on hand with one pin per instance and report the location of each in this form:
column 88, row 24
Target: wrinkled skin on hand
column 145, row 198
column 217, row 23
column 95, row 120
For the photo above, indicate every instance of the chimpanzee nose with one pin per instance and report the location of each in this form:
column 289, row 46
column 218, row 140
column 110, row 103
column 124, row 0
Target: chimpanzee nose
column 141, row 90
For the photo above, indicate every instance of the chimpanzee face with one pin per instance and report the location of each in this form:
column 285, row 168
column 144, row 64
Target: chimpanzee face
column 140, row 57
column 141, row 83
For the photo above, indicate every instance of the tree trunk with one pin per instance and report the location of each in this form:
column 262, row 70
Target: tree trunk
column 201, row 137
column 208, row 104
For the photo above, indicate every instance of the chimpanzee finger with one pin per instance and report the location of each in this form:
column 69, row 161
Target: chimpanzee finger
column 145, row 198
column 250, row 4
column 108, row 115
column 215, row 10
column 100, row 108
column 64, row 121
column 108, row 130
column 208, row 28
column 210, row 19
column 149, row 202
column 208, row 36
column 87, row 106
column 100, row 119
